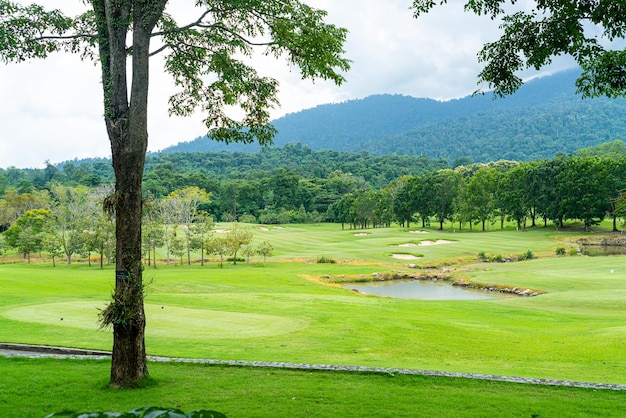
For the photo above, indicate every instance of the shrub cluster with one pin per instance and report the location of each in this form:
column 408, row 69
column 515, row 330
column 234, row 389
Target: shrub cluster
column 498, row 258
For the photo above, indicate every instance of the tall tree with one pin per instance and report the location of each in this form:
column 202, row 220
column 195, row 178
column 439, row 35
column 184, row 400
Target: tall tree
column 512, row 196
column 26, row 235
column 201, row 232
column 586, row 185
column 185, row 204
column 71, row 209
column 237, row 238
column 478, row 194
column 207, row 61
column 540, row 30
column 442, row 187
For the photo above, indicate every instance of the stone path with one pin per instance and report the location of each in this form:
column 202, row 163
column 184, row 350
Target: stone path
column 34, row 351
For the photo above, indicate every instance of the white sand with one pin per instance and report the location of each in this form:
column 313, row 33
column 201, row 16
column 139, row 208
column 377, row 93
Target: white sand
column 438, row 242
column 419, row 232
column 408, row 244
column 361, row 234
column 404, row 256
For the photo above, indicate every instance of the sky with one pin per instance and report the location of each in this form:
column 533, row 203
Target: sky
column 51, row 110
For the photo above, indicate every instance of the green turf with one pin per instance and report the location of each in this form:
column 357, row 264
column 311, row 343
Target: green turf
column 33, row 388
column 273, row 313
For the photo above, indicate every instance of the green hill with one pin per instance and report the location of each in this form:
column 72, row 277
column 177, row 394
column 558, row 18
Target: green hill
column 544, row 118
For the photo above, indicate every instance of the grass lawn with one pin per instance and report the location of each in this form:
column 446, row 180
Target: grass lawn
column 34, row 388
column 281, row 312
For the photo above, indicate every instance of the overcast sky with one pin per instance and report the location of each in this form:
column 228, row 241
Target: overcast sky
column 52, row 109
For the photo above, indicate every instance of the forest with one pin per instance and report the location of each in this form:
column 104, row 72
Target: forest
column 544, row 118
column 63, row 210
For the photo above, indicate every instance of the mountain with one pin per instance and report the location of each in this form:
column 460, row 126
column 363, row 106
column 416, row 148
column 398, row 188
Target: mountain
column 544, row 118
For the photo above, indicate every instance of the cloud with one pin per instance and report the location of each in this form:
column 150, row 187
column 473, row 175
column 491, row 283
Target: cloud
column 52, row 110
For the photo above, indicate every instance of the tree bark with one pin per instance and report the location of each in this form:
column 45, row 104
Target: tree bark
column 126, row 124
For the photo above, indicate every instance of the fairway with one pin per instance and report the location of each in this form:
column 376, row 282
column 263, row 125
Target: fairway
column 292, row 310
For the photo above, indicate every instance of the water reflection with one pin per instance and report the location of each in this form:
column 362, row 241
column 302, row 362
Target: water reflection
column 419, row 289
column 603, row 250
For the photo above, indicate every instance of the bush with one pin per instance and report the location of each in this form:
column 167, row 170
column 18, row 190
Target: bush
column 247, row 218
column 325, row 260
column 528, row 255
column 560, row 251
column 573, row 251
column 492, row 259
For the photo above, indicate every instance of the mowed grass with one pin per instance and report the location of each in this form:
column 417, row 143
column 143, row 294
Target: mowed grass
column 281, row 312
column 34, row 388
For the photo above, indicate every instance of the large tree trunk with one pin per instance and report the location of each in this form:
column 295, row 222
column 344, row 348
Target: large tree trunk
column 128, row 133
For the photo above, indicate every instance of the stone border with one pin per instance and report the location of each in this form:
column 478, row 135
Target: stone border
column 35, row 351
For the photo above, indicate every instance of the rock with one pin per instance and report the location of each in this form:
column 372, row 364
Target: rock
column 412, row 266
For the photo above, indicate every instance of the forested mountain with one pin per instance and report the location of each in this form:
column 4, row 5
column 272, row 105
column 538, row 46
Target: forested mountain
column 544, row 118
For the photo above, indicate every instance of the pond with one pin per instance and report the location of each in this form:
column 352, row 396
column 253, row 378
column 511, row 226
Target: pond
column 420, row 289
column 603, row 250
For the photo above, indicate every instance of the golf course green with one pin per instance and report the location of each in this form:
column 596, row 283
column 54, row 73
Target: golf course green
column 292, row 309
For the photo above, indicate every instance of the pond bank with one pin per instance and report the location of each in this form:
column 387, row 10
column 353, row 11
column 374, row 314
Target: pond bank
column 447, row 278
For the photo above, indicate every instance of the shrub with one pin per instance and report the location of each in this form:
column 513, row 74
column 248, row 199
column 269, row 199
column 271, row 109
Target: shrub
column 247, row 218
column 239, row 259
column 492, row 259
column 325, row 260
column 560, row 251
column 528, row 255
column 573, row 251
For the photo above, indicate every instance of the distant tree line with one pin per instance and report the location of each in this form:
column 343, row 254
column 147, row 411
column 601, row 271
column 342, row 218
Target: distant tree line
column 588, row 189
column 165, row 173
column 74, row 221
column 270, row 185
column 181, row 206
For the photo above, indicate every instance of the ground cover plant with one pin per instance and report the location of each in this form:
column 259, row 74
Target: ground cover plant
column 283, row 312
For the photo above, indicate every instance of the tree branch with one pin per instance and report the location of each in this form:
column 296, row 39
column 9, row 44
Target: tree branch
column 198, row 22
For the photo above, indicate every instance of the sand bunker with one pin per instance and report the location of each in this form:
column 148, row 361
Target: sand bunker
column 405, row 256
column 221, row 231
column 361, row 234
column 418, row 232
column 408, row 244
column 438, row 242
column 262, row 228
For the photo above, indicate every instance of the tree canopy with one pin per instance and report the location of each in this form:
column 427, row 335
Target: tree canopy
column 534, row 33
